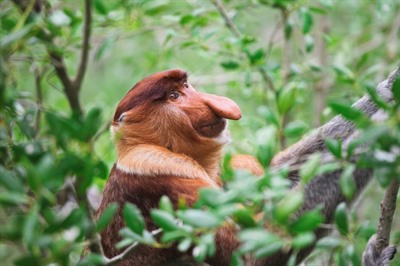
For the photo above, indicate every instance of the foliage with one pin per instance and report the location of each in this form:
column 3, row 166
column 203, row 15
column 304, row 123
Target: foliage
column 279, row 59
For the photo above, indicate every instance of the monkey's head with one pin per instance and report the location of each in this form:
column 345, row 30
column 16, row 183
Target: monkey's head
column 165, row 110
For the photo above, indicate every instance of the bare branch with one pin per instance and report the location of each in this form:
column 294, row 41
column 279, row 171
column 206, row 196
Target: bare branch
column 128, row 251
column 285, row 49
column 69, row 90
column 388, row 207
column 85, row 46
column 228, row 22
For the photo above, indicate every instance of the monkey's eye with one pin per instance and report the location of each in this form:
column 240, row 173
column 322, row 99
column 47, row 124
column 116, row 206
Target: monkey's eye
column 174, row 95
column 186, row 85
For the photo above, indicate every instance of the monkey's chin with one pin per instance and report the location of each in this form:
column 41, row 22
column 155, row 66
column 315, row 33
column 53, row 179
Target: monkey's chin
column 224, row 137
column 213, row 129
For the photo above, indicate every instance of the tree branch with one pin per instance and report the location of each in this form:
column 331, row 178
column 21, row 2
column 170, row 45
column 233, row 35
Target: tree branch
column 336, row 128
column 321, row 87
column 39, row 98
column 128, row 251
column 388, row 207
column 286, row 48
column 228, row 22
column 85, row 46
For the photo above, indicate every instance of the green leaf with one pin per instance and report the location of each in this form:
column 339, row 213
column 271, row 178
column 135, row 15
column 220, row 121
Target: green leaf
column 295, row 129
column 92, row 124
column 335, row 147
column 106, row 216
column 148, row 238
column 174, row 235
column 309, row 169
column 257, row 57
column 186, row 19
column 307, row 222
column 12, row 198
column 265, row 154
column 307, row 21
column 166, row 205
column 100, row 7
column 376, row 98
column 185, row 244
column 133, row 218
column 268, row 249
column 344, row 72
column 347, row 111
column 199, row 218
column 257, row 237
column 200, row 252
column 105, row 47
column 288, row 30
column 341, row 219
column 230, row 65
column 12, row 38
column 396, row 89
column 329, row 242
column 286, row 99
column 164, row 219
column 347, row 183
column 303, row 240
column 236, row 259
column 288, row 205
column 30, row 227
column 244, row 217
column 269, row 115
column 9, row 180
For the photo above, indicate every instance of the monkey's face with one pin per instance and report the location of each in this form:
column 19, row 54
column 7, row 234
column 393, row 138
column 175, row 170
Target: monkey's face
column 207, row 113
column 165, row 110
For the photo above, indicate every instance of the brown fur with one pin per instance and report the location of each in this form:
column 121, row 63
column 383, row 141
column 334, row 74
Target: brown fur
column 166, row 147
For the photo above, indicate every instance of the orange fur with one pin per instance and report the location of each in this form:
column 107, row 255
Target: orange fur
column 248, row 163
column 166, row 145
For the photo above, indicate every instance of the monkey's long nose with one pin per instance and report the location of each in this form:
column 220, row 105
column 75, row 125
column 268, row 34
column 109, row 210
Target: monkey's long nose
column 222, row 106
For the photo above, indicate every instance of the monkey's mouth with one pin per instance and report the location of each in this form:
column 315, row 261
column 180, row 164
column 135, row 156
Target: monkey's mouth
column 213, row 129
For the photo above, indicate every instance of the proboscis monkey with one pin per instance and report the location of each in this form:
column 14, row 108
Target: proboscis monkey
column 169, row 139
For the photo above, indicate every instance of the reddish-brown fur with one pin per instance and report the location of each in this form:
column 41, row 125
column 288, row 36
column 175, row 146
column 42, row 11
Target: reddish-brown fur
column 170, row 147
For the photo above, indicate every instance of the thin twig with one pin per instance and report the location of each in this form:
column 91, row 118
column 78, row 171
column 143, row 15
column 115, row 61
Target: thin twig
column 267, row 79
column 39, row 99
column 272, row 38
column 72, row 87
column 128, row 251
column 285, row 73
column 285, row 49
column 91, row 234
column 322, row 85
column 101, row 131
column 85, row 45
column 228, row 22
column 388, row 207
